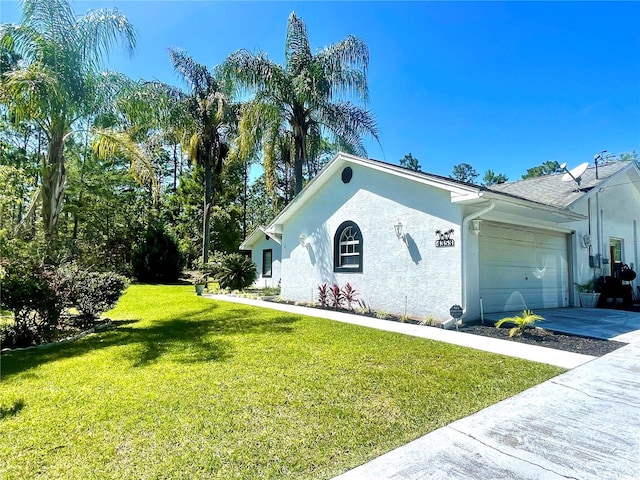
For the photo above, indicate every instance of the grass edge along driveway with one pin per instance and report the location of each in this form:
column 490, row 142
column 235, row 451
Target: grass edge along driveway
column 186, row 387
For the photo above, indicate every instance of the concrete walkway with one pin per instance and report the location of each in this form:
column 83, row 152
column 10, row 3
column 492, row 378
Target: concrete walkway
column 513, row 349
column 584, row 424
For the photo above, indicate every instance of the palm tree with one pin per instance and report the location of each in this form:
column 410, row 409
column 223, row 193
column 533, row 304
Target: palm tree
column 521, row 321
column 295, row 104
column 208, row 119
column 56, row 81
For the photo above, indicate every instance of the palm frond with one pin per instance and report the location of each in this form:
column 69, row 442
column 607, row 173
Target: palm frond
column 98, row 32
column 253, row 72
column 345, row 66
column 350, row 52
column 32, row 92
column 111, row 94
column 297, row 50
column 192, row 147
column 55, row 19
column 348, row 123
column 521, row 321
column 109, row 144
column 348, row 81
column 197, row 76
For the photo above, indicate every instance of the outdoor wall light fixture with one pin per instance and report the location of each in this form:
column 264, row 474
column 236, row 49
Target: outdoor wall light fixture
column 398, row 228
column 303, row 240
column 475, row 226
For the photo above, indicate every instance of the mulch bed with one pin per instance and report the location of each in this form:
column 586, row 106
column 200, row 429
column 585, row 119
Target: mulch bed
column 545, row 338
column 534, row 336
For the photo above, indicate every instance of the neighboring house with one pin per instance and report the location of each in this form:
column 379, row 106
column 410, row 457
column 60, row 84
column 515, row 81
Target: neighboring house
column 417, row 243
column 266, row 253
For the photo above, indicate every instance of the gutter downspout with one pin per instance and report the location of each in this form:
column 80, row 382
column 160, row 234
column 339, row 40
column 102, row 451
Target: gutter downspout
column 465, row 236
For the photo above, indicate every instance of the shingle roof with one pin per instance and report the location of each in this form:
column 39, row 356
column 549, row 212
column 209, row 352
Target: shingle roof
column 551, row 190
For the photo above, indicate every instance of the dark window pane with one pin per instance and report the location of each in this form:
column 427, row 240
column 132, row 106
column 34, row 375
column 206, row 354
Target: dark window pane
column 267, row 262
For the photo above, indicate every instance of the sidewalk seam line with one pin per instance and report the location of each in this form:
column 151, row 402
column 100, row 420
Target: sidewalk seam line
column 510, row 455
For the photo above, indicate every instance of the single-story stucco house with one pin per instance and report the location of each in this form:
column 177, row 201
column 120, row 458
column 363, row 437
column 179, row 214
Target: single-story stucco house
column 416, row 243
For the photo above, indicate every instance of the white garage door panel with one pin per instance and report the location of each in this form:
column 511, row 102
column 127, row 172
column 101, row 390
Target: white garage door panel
column 522, row 268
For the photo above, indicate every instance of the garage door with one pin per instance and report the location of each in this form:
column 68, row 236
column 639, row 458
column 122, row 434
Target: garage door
column 522, row 268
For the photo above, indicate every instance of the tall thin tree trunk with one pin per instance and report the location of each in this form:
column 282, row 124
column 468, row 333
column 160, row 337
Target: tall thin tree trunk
column 208, row 197
column 244, row 200
column 76, row 215
column 298, row 161
column 175, row 168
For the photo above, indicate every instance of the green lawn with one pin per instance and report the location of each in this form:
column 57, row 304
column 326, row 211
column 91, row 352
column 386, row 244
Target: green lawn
column 189, row 388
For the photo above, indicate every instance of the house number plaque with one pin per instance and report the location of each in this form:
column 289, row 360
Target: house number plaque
column 444, row 238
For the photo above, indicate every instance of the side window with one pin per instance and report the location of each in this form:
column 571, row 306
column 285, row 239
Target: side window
column 347, row 248
column 267, row 262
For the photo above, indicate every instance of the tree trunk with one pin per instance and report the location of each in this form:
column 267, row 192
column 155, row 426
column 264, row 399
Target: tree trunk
column 244, row 200
column 76, row 215
column 208, row 197
column 53, row 185
column 298, row 162
column 175, row 168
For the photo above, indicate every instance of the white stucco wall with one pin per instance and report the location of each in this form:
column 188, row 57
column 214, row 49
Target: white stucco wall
column 618, row 208
column 397, row 275
column 256, row 256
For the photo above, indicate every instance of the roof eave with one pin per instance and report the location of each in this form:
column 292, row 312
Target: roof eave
column 455, row 188
column 253, row 238
column 567, row 215
column 606, row 183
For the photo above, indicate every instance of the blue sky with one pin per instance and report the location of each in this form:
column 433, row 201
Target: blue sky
column 500, row 85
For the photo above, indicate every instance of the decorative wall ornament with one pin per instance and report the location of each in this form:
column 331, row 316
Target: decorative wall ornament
column 444, row 238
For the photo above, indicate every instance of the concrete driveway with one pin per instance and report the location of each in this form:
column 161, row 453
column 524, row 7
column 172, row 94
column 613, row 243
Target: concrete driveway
column 604, row 323
column 584, row 425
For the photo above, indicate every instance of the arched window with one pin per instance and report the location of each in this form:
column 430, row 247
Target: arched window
column 347, row 248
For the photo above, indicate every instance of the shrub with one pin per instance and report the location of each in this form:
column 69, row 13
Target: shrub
column 213, row 268
column 37, row 297
column 34, row 303
column 157, row 258
column 234, row 271
column 90, row 292
column 98, row 292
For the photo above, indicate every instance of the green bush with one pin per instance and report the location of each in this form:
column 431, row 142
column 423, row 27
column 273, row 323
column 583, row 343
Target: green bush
column 157, row 258
column 97, row 293
column 90, row 292
column 232, row 271
column 37, row 296
column 36, row 306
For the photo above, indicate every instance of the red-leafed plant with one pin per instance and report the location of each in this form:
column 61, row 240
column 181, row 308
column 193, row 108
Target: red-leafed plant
column 323, row 294
column 335, row 296
column 349, row 294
